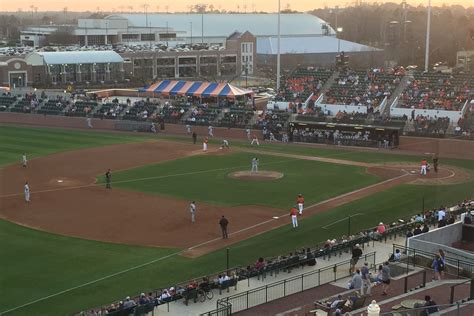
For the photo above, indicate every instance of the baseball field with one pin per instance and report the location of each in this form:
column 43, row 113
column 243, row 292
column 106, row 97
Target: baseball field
column 78, row 245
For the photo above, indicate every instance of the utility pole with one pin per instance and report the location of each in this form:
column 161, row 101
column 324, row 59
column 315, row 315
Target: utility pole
column 278, row 48
column 428, row 31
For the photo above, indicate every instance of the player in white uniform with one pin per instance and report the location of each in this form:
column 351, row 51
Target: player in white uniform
column 204, row 144
column 211, row 133
column 225, row 144
column 255, row 164
column 188, row 128
column 26, row 190
column 192, row 210
column 153, row 127
column 89, row 122
column 24, row 161
column 249, row 137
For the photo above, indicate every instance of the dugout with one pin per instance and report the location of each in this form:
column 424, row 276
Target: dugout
column 344, row 134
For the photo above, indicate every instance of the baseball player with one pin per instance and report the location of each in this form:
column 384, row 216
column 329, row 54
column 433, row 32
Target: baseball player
column 153, row 127
column 424, row 163
column 192, row 210
column 210, row 131
column 272, row 137
column 294, row 217
column 188, row 128
column 225, row 144
column 255, row 164
column 255, row 140
column 26, row 190
column 89, row 122
column 24, row 161
column 248, row 134
column 204, row 143
column 300, row 203
column 108, row 179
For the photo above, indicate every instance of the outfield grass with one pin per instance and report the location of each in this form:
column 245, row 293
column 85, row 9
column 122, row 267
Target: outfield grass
column 37, row 264
column 205, row 179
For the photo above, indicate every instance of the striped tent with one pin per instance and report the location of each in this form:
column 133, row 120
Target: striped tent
column 196, row 88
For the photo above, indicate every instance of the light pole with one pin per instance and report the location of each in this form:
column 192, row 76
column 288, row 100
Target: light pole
column 428, row 31
column 339, row 30
column 191, row 28
column 278, row 48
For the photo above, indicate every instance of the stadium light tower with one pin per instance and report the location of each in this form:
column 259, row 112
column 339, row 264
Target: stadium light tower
column 278, row 48
column 428, row 31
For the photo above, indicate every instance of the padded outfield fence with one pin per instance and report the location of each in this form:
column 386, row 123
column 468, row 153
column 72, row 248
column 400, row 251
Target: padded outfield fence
column 279, row 289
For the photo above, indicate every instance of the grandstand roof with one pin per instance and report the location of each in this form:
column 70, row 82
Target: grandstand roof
column 309, row 45
column 221, row 25
column 77, row 57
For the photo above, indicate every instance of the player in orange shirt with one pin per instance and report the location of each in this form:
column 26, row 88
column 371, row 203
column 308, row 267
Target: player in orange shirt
column 294, row 217
column 300, row 203
column 424, row 164
column 204, row 143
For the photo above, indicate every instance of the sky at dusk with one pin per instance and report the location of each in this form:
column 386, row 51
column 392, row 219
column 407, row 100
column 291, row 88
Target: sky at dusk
column 183, row 5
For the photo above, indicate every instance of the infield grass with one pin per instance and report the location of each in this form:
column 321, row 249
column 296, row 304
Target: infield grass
column 206, row 178
column 36, row 264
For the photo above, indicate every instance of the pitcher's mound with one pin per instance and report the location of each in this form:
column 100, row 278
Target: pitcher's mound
column 256, row 176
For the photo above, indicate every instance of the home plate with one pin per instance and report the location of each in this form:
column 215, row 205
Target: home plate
column 60, row 181
column 275, row 217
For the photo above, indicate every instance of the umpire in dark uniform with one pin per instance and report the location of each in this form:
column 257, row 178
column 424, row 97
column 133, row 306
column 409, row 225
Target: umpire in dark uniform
column 108, row 179
column 223, row 223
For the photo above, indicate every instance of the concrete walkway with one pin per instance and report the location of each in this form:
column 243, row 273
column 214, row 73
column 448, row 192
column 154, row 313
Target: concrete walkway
column 178, row 308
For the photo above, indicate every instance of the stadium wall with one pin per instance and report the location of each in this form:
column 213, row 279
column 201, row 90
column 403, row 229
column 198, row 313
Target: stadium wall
column 453, row 148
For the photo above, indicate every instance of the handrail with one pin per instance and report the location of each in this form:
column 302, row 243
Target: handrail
column 226, row 300
column 451, row 298
column 439, row 306
column 430, row 254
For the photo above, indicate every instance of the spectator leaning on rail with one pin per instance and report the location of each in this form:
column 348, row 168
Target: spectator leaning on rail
column 356, row 254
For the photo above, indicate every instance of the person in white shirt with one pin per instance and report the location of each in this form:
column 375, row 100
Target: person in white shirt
column 441, row 214
column 27, row 192
column 211, row 133
column 192, row 210
column 24, row 161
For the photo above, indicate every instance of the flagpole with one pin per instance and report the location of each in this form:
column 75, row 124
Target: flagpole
column 278, row 49
column 428, row 31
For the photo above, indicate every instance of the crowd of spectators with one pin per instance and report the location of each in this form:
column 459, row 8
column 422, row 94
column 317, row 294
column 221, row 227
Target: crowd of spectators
column 431, row 125
column 202, row 115
column 465, row 125
column 141, row 111
column 362, row 88
column 436, row 91
column 172, row 113
column 347, row 138
column 273, row 121
column 300, row 84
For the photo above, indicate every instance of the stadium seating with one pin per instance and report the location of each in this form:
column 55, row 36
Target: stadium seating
column 140, row 111
column 6, row 102
column 173, row 114
column 367, row 88
column 110, row 111
column 437, row 91
column 52, row 107
column 299, row 85
column 202, row 116
column 236, row 117
column 81, row 108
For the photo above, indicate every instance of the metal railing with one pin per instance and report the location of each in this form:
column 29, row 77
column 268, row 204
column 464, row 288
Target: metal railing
column 415, row 257
column 288, row 286
column 453, row 288
column 456, row 308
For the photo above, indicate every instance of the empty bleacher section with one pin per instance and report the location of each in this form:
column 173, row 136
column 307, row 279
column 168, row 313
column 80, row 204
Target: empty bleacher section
column 300, row 84
column 81, row 108
column 236, row 117
column 363, row 88
column 53, row 107
column 140, row 111
column 6, row 102
column 202, row 115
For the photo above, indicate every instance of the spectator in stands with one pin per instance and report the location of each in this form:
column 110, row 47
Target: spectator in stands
column 128, row 302
column 260, row 264
column 438, row 266
column 386, row 278
column 143, row 299
column 430, row 306
column 443, row 260
column 223, row 278
column 356, row 254
column 381, row 228
column 164, row 297
column 356, row 282
column 418, row 218
column 395, row 256
column 192, row 285
column 310, row 258
column 335, row 302
column 366, row 283
column 410, row 233
column 417, row 230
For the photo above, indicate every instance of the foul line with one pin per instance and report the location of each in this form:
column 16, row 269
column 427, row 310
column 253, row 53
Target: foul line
column 145, row 179
column 341, row 220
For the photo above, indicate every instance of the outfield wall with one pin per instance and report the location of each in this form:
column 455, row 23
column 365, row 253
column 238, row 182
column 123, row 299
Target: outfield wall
column 443, row 147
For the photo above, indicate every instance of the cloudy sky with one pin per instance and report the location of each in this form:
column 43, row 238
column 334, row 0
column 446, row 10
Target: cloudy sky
column 183, row 5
